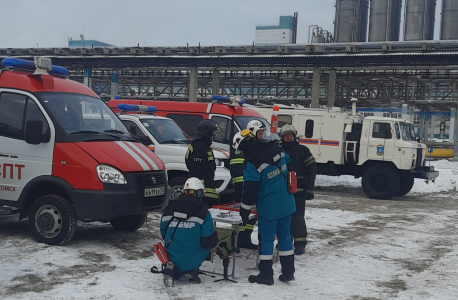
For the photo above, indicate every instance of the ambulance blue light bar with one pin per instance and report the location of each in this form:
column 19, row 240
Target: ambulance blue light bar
column 229, row 100
column 30, row 65
column 140, row 108
column 221, row 98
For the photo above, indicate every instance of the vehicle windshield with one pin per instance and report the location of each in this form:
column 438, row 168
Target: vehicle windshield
column 243, row 121
column 406, row 132
column 166, row 131
column 84, row 118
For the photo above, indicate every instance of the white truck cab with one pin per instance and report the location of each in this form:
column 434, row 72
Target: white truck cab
column 170, row 143
column 383, row 151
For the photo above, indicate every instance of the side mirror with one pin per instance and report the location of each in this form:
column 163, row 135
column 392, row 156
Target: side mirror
column 33, row 132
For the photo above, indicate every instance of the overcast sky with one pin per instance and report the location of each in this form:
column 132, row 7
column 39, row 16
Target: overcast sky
column 49, row 23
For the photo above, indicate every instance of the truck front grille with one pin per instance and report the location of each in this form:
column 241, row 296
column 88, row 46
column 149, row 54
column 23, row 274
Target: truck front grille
column 145, row 180
column 419, row 158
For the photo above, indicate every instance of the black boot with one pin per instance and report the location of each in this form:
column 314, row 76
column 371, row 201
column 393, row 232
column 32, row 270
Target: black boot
column 170, row 272
column 299, row 247
column 285, row 278
column 287, row 268
column 266, row 274
column 193, row 276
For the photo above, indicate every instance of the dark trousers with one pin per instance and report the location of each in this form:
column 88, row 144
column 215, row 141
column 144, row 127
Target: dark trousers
column 176, row 273
column 298, row 226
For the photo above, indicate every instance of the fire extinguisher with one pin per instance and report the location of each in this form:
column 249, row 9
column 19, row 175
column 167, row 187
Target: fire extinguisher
column 292, row 182
column 274, row 121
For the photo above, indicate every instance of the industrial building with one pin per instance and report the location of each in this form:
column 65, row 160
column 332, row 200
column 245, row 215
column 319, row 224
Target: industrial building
column 283, row 33
column 87, row 43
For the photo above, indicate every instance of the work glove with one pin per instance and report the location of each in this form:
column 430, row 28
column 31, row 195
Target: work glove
column 308, row 195
column 244, row 213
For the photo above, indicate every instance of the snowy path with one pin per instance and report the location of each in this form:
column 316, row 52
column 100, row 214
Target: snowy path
column 406, row 248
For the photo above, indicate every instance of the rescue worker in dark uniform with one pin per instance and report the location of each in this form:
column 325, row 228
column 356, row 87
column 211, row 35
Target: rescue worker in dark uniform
column 265, row 185
column 200, row 160
column 303, row 162
column 190, row 242
column 236, row 167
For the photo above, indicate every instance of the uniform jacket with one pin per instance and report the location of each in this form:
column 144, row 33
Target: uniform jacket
column 236, row 167
column 264, row 184
column 201, row 164
column 303, row 162
column 195, row 233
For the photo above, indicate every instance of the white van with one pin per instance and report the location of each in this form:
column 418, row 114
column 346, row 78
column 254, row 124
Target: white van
column 170, row 143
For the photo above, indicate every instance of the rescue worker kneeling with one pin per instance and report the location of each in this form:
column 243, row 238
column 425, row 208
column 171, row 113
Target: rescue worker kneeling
column 189, row 243
column 265, row 185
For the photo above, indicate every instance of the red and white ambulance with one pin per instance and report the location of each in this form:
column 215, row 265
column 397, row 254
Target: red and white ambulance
column 60, row 164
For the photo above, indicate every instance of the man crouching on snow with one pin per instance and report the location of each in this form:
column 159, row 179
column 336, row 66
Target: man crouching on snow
column 187, row 229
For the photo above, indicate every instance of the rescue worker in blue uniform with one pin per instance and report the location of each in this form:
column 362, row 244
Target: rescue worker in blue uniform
column 189, row 245
column 236, row 167
column 265, row 185
column 304, row 164
column 200, row 160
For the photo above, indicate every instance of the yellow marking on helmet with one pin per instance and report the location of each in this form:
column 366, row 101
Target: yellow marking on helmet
column 247, row 133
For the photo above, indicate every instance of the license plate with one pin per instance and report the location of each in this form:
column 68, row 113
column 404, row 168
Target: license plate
column 154, row 192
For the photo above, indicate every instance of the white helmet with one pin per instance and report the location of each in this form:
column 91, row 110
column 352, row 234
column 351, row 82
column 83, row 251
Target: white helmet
column 239, row 137
column 193, row 186
column 255, row 126
column 287, row 129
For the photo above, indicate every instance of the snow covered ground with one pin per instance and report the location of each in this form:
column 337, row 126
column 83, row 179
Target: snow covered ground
column 359, row 248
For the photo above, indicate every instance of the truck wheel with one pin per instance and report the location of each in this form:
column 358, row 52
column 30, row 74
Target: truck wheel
column 407, row 181
column 129, row 223
column 381, row 182
column 176, row 185
column 52, row 220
